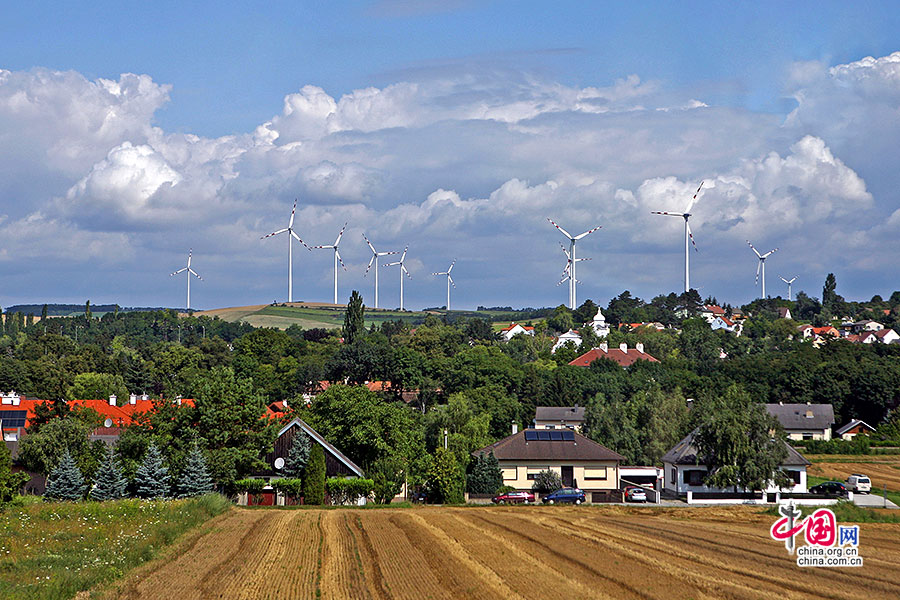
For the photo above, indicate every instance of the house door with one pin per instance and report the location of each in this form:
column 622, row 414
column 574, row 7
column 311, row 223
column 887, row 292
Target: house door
column 567, row 476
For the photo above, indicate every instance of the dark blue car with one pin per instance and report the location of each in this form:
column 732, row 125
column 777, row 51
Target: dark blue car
column 571, row 495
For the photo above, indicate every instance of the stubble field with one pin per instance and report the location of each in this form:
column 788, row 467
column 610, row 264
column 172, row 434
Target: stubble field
column 507, row 552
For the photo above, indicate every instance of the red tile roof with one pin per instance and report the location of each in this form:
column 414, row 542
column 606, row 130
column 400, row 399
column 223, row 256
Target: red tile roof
column 716, row 310
column 622, row 358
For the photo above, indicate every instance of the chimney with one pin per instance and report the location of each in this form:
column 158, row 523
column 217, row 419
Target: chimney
column 515, row 428
column 132, row 399
column 145, row 397
column 15, row 399
column 112, row 399
column 623, row 347
column 605, row 347
column 178, row 399
column 640, row 347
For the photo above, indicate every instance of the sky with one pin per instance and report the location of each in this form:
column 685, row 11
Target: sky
column 133, row 132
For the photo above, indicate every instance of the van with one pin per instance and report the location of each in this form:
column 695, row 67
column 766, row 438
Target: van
column 859, row 483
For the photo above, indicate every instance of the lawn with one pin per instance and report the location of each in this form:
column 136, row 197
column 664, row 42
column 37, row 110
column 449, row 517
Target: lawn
column 57, row 549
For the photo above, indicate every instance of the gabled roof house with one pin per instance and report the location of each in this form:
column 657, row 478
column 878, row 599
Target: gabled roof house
column 804, row 421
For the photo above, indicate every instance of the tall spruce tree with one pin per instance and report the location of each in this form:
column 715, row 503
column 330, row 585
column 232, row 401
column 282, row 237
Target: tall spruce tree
column 298, row 454
column 66, row 481
column 152, row 477
column 354, row 325
column 486, row 477
column 194, row 479
column 314, row 476
column 110, row 483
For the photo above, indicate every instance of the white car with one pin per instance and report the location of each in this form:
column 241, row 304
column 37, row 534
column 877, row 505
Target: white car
column 860, row 484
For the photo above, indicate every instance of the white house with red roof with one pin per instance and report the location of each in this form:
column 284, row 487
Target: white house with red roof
column 569, row 336
column 514, row 329
column 623, row 355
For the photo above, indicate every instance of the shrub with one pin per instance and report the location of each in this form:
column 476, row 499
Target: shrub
column 546, row 481
column 10, row 482
column 387, row 479
column 446, row 481
column 858, row 445
column 251, row 486
column 314, row 477
column 344, row 490
column 291, row 487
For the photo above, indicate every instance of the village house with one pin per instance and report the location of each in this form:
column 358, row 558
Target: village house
column 559, row 417
column 579, row 461
column 804, row 421
column 623, row 355
column 514, row 329
column 852, row 429
column 684, row 470
column 569, row 336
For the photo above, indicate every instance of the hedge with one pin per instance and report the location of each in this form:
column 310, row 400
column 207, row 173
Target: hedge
column 347, row 489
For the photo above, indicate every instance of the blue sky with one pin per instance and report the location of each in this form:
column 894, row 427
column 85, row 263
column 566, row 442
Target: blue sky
column 132, row 131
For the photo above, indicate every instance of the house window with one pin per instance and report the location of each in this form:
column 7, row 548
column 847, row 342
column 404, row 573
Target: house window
column 794, row 475
column 807, row 436
column 694, row 477
column 595, row 473
column 509, row 474
column 673, row 476
column 531, row 472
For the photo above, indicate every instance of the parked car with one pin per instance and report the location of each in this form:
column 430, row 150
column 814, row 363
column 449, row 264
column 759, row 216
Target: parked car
column 419, row 497
column 859, row 483
column 513, row 498
column 635, row 493
column 571, row 495
column 832, row 488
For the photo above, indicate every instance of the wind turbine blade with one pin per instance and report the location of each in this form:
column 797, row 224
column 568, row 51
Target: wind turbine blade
column 581, row 259
column 293, row 210
column 371, row 260
column 338, row 240
column 451, row 267
column 274, row 233
column 578, row 237
column 402, row 258
column 190, row 251
column 769, row 252
column 566, row 251
column 691, row 236
column 386, row 253
column 783, row 279
column 758, row 266
column 404, row 269
column 297, row 237
column 754, row 249
column 340, row 260
column 181, row 270
column 565, row 233
column 694, row 199
column 370, row 244
column 668, row 214
column 194, row 273
column 451, row 280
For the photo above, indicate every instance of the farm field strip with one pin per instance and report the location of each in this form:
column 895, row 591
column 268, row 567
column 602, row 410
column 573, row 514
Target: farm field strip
column 511, row 552
column 881, row 472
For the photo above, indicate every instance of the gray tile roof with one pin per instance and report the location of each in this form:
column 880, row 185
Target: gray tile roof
column 559, row 413
column 685, row 453
column 515, row 447
column 794, row 416
column 851, row 425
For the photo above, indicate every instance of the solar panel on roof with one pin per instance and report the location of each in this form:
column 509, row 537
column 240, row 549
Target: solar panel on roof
column 568, row 436
column 530, row 435
column 556, row 436
column 13, row 418
column 544, row 435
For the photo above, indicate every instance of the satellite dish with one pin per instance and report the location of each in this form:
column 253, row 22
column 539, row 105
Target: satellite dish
column 107, row 422
column 279, row 463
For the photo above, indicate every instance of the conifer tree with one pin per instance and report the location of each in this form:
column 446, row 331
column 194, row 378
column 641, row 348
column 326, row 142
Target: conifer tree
column 66, row 481
column 298, row 454
column 486, row 477
column 109, row 484
column 314, row 476
column 152, row 477
column 354, row 324
column 195, row 479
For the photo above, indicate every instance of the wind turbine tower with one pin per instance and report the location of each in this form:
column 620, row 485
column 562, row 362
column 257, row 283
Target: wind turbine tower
column 449, row 281
column 337, row 259
column 572, row 260
column 402, row 271
column 761, row 267
column 688, row 236
column 291, row 237
column 374, row 260
column 789, row 282
column 189, row 272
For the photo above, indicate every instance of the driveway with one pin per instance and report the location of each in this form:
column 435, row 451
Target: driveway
column 872, row 501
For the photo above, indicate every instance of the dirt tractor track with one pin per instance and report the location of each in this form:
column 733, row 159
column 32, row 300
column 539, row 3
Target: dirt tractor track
column 506, row 552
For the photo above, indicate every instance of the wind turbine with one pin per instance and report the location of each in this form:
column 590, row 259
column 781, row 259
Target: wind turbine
column 291, row 237
column 567, row 272
column 789, row 282
column 374, row 259
column 337, row 259
column 761, row 267
column 688, row 236
column 572, row 260
column 449, row 281
column 190, row 272
column 402, row 271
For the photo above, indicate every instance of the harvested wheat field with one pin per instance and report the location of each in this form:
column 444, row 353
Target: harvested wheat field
column 508, row 552
column 883, row 470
